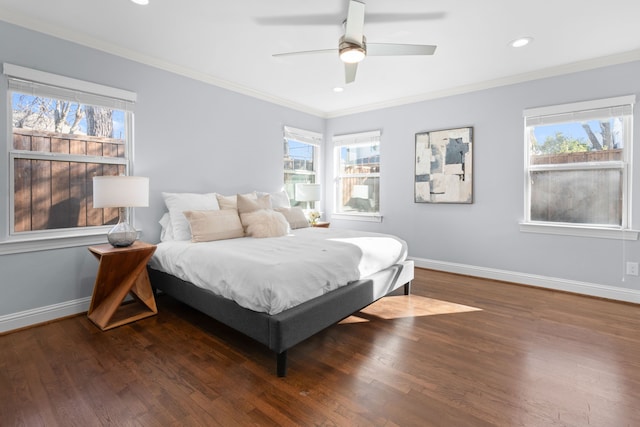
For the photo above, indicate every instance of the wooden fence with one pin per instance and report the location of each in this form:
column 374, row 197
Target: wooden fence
column 578, row 157
column 588, row 196
column 53, row 194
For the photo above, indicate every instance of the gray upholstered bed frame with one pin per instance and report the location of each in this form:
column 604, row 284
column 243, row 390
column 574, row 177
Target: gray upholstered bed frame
column 282, row 331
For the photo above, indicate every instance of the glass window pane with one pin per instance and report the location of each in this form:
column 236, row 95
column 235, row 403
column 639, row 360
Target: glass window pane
column 55, row 194
column 358, row 181
column 360, row 194
column 299, row 156
column 299, row 167
column 61, row 138
column 577, row 196
column 360, row 159
column 595, row 140
column 44, row 124
column 577, row 162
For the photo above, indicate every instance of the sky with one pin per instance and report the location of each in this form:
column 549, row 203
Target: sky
column 118, row 116
column 574, row 130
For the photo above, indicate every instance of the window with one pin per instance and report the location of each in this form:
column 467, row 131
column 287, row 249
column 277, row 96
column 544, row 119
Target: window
column 64, row 132
column 358, row 174
column 578, row 164
column 301, row 154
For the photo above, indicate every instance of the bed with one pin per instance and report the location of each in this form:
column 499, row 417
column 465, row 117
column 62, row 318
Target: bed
column 281, row 290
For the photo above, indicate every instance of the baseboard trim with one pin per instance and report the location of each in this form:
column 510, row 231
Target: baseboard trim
column 48, row 313
column 585, row 288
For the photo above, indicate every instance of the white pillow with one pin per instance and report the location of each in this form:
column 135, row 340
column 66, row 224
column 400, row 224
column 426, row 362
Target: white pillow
column 280, row 199
column 177, row 203
column 207, row 226
column 295, row 216
column 166, row 233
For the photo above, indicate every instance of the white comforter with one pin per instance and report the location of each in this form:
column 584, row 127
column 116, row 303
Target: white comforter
column 273, row 274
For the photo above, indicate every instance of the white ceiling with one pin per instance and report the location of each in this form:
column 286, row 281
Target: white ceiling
column 230, row 43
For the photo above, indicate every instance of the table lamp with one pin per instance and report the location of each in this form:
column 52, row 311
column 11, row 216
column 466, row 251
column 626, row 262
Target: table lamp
column 307, row 193
column 121, row 192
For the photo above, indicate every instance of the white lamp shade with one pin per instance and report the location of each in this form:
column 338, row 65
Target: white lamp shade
column 120, row 191
column 307, row 192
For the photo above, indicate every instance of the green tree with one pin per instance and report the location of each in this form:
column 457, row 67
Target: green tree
column 561, row 144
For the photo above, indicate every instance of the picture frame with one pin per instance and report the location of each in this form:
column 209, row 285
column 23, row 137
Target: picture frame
column 444, row 166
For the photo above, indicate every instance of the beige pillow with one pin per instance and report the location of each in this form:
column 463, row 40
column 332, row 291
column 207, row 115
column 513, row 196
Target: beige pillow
column 265, row 223
column 295, row 217
column 177, row 203
column 230, row 202
column 248, row 204
column 207, row 226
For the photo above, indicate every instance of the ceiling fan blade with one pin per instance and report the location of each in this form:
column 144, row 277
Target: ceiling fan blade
column 310, row 19
column 391, row 49
column 381, row 18
column 355, row 23
column 350, row 72
column 306, row 52
column 299, row 20
column 325, row 19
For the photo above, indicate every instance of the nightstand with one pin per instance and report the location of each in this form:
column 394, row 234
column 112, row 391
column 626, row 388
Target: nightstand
column 322, row 224
column 121, row 271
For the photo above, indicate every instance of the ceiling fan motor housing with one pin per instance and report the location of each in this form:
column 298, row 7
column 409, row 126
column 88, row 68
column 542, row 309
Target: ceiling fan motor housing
column 352, row 52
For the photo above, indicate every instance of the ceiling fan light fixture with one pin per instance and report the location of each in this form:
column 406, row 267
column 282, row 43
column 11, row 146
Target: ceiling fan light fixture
column 352, row 53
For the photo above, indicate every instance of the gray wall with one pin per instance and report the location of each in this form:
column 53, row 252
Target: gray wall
column 485, row 234
column 190, row 136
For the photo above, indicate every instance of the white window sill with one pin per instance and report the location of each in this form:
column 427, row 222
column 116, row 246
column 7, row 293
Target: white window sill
column 568, row 230
column 357, row 217
column 42, row 243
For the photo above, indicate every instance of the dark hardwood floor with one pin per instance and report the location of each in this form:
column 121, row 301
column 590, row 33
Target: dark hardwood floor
column 460, row 351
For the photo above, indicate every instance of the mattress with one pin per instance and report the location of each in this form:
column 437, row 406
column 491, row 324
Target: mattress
column 271, row 275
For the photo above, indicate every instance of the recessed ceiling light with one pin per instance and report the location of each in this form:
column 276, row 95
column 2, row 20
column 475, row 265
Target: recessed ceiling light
column 142, row 2
column 338, row 89
column 522, row 41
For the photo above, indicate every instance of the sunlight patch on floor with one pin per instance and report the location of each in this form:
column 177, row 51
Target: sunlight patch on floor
column 403, row 306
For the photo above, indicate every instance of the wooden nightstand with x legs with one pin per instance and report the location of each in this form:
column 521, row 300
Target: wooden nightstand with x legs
column 122, row 272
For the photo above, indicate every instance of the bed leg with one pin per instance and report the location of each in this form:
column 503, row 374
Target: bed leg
column 407, row 288
column 282, row 364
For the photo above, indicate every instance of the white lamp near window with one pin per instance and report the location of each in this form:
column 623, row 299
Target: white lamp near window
column 121, row 192
column 308, row 193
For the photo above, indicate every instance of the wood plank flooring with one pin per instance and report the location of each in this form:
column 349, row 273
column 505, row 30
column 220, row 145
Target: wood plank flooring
column 460, row 351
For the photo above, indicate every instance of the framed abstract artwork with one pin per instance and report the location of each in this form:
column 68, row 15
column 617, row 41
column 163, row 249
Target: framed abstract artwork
column 444, row 166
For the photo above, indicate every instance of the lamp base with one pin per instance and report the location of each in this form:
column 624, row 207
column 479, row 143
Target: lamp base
column 122, row 234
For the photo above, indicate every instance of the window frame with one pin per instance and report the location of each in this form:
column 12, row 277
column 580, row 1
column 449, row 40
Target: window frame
column 25, row 80
column 310, row 138
column 576, row 112
column 359, row 139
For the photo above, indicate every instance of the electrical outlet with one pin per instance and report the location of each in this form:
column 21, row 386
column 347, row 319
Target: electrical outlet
column 632, row 268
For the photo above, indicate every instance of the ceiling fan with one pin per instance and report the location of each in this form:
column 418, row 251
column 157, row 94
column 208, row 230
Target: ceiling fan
column 353, row 46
